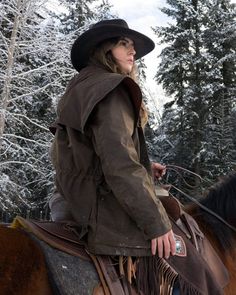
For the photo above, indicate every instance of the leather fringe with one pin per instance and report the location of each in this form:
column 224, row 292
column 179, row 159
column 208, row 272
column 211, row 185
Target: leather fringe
column 155, row 276
column 130, row 268
column 140, row 276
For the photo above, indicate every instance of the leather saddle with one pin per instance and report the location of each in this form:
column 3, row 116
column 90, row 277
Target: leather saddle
column 64, row 236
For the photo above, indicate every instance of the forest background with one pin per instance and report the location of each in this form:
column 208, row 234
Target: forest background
column 196, row 68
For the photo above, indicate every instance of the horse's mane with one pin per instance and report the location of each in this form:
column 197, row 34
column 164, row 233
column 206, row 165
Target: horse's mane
column 221, row 199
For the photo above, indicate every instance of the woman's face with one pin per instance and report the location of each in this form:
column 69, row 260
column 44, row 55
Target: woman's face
column 123, row 52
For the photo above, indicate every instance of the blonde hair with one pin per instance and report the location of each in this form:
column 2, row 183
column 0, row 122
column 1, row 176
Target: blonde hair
column 102, row 55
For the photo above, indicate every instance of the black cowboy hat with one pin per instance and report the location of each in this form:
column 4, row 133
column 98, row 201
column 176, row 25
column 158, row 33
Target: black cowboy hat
column 102, row 31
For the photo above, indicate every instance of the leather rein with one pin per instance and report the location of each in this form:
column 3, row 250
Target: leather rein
column 174, row 168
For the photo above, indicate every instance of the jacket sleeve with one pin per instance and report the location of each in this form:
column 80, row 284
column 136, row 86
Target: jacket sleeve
column 112, row 128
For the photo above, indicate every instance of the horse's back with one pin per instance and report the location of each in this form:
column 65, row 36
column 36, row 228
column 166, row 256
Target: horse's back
column 72, row 275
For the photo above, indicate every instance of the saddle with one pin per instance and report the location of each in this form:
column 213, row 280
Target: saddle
column 64, row 236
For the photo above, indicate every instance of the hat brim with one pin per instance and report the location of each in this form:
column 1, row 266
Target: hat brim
column 83, row 45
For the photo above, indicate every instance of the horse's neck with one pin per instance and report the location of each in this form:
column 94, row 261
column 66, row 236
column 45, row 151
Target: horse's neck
column 210, row 234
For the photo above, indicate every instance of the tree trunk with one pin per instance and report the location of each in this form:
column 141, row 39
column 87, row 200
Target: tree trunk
column 10, row 63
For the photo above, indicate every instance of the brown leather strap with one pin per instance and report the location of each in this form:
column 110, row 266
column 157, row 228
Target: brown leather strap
column 193, row 229
column 100, row 274
column 189, row 226
column 110, row 274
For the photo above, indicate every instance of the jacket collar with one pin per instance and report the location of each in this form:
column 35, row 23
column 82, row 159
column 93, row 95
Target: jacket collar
column 87, row 89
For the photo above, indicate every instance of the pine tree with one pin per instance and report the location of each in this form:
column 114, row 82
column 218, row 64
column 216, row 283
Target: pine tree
column 186, row 73
column 234, row 133
column 219, row 153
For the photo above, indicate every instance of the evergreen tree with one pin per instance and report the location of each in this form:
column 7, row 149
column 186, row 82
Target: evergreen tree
column 80, row 13
column 186, row 73
column 220, row 42
column 234, row 131
column 153, row 112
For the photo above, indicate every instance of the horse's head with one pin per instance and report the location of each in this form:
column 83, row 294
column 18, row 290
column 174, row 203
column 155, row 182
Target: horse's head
column 215, row 214
column 221, row 199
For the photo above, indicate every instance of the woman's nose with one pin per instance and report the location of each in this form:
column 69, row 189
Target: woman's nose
column 132, row 50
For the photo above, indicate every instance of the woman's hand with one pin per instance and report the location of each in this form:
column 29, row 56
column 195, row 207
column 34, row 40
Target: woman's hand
column 164, row 245
column 158, row 170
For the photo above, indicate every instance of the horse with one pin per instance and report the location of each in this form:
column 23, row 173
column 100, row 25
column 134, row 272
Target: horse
column 24, row 270
column 216, row 217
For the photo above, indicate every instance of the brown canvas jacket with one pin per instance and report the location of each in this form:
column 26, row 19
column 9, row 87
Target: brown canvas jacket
column 98, row 160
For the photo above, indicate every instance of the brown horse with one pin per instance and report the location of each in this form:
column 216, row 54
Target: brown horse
column 23, row 269
column 221, row 229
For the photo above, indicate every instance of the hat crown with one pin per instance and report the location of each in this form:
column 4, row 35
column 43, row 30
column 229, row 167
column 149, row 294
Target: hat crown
column 111, row 22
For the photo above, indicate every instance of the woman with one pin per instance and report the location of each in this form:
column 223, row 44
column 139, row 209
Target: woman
column 103, row 170
column 99, row 152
